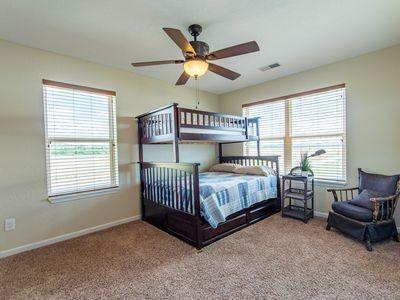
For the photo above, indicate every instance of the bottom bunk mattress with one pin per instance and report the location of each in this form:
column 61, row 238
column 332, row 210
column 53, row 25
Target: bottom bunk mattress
column 223, row 194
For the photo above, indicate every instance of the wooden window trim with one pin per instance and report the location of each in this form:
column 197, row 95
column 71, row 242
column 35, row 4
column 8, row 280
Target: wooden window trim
column 320, row 90
column 78, row 87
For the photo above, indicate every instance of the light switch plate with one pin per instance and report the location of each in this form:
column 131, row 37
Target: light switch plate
column 9, row 224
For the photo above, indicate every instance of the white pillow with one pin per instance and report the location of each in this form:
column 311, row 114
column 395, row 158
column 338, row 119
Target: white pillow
column 255, row 170
column 224, row 168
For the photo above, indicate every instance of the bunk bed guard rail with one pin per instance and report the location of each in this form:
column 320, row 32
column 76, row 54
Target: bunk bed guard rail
column 173, row 185
column 163, row 125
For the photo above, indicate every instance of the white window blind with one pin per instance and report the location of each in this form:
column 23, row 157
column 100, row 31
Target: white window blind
column 301, row 123
column 272, row 130
column 81, row 138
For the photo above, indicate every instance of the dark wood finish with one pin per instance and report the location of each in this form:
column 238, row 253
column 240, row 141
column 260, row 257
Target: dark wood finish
column 224, row 72
column 199, row 50
column 157, row 62
column 178, row 213
column 236, row 50
column 320, row 90
column 175, row 130
column 253, row 125
column 305, row 193
column 219, row 150
column 182, row 79
column 170, row 191
column 158, row 126
column 344, row 194
column 156, row 110
column 180, row 40
column 142, row 178
column 78, row 87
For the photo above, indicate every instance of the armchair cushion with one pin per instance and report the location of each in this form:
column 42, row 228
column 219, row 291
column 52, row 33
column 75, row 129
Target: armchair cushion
column 363, row 199
column 386, row 185
column 351, row 211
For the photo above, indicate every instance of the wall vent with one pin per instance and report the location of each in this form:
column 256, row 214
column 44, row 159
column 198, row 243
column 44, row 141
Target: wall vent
column 269, row 67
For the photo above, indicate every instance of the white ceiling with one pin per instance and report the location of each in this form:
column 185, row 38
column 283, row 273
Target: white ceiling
column 299, row 34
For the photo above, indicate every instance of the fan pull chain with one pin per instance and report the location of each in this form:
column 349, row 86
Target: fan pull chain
column 197, row 93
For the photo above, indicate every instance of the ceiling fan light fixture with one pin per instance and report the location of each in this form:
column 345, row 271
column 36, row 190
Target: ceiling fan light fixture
column 195, row 67
column 197, row 56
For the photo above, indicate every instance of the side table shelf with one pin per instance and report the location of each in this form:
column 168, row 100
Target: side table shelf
column 303, row 192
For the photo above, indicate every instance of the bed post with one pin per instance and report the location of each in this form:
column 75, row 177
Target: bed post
column 219, row 152
column 175, row 122
column 246, row 125
column 141, row 166
column 278, row 184
column 196, row 192
column 258, row 137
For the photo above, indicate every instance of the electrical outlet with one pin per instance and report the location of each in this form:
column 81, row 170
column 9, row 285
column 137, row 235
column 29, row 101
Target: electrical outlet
column 9, row 224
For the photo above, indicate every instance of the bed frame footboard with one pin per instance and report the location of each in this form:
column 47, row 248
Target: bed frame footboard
column 170, row 198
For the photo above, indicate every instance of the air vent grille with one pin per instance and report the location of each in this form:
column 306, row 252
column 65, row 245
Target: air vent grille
column 269, row 67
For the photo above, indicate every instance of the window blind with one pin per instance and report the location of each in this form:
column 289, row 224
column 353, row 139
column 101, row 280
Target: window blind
column 300, row 123
column 81, row 138
column 272, row 130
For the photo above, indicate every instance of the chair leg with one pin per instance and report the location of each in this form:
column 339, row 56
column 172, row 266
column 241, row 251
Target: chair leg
column 368, row 244
column 396, row 238
column 328, row 227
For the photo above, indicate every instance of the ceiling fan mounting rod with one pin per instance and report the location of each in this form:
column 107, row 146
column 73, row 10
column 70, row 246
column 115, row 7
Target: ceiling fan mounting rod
column 195, row 30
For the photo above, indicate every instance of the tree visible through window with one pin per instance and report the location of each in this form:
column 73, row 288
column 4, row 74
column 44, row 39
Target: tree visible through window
column 300, row 123
column 81, row 139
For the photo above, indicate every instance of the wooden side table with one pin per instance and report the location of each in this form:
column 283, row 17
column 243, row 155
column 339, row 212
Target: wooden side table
column 304, row 193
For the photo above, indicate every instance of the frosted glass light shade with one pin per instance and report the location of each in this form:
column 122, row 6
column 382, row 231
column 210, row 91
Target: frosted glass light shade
column 196, row 67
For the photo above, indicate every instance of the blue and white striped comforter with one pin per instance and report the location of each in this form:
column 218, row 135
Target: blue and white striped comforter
column 222, row 194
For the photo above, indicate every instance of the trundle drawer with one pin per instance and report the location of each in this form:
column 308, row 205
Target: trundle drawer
column 233, row 223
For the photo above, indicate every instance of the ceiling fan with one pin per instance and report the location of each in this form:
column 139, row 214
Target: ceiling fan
column 197, row 56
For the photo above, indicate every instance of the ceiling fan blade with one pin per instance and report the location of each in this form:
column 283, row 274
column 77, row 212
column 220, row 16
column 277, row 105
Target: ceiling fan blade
column 223, row 71
column 234, row 50
column 183, row 79
column 177, row 36
column 154, row 63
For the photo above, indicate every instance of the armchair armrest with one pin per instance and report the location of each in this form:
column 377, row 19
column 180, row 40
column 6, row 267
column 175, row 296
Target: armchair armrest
column 339, row 193
column 384, row 207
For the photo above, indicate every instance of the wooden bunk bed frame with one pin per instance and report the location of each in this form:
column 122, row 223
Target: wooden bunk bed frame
column 170, row 194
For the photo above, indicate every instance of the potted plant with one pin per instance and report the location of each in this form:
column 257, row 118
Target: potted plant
column 305, row 165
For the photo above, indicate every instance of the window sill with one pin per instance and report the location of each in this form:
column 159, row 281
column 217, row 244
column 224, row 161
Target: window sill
column 83, row 195
column 327, row 183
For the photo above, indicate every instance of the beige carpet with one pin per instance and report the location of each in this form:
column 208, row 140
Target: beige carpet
column 275, row 258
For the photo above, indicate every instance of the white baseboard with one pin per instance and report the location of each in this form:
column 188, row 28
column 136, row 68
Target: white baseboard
column 66, row 236
column 85, row 231
column 321, row 214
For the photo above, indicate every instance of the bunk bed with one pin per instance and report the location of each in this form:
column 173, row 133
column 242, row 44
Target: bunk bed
column 170, row 192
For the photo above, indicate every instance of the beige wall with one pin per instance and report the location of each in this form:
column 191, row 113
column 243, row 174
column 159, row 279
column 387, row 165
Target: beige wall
column 373, row 109
column 22, row 151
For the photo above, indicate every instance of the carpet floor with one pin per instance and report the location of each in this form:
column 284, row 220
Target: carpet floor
column 275, row 258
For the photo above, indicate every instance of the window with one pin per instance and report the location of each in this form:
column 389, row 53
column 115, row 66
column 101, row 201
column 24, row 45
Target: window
column 81, row 139
column 300, row 123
